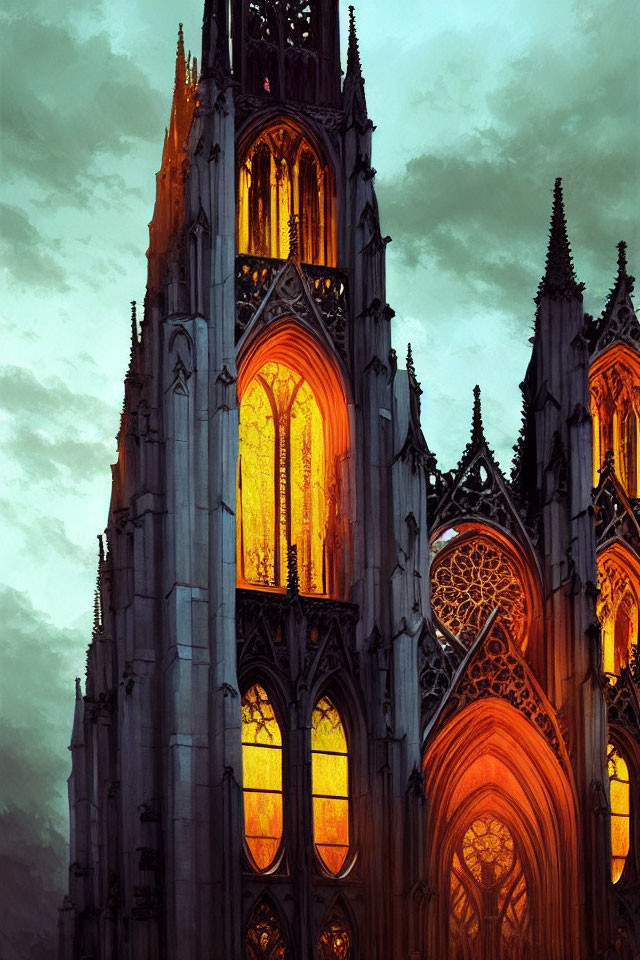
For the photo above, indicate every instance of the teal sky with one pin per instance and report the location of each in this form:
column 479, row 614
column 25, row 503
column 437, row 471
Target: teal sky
column 479, row 106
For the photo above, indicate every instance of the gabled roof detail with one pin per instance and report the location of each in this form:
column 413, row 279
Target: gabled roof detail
column 268, row 290
column 559, row 280
column 618, row 323
column 615, row 516
column 355, row 102
column 494, row 667
column 477, row 488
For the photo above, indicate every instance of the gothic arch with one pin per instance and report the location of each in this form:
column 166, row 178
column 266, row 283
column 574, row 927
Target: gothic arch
column 618, row 606
column 515, row 581
column 614, row 383
column 332, row 785
column 630, row 751
column 284, row 171
column 267, row 935
column 489, row 759
column 339, row 917
column 291, row 347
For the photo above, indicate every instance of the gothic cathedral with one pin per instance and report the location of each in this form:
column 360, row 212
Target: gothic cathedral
column 339, row 704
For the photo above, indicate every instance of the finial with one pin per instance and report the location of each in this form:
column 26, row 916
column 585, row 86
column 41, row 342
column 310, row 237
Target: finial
column 622, row 258
column 100, row 549
column 134, row 337
column 294, row 223
column 78, row 689
column 559, row 281
column 354, row 67
column 293, row 583
column 477, row 427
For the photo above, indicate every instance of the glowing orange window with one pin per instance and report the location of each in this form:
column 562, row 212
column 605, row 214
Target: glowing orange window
column 262, row 778
column 330, row 786
column 282, row 176
column 618, row 608
column 619, row 792
column 282, row 496
column 614, row 379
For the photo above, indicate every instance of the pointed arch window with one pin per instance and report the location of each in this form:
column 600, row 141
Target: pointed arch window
column 620, row 810
column 614, row 380
column 282, row 176
column 618, row 609
column 282, row 495
column 489, row 904
column 264, row 940
column 330, row 786
column 262, row 778
column 335, row 941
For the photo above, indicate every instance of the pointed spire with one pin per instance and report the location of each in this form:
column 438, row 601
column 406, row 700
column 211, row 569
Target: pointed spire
column 477, row 426
column 78, row 689
column 559, row 281
column 355, row 102
column 77, row 731
column 134, row 338
column 181, row 66
column 354, row 67
column 623, row 284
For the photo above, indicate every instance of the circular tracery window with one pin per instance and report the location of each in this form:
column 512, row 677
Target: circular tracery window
column 470, row 577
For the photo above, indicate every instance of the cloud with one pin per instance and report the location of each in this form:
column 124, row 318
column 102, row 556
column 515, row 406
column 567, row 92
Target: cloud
column 25, row 254
column 83, row 102
column 36, row 697
column 53, row 432
column 477, row 207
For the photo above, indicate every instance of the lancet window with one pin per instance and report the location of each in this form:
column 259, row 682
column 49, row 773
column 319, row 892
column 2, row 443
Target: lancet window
column 335, row 941
column 283, row 179
column 264, row 940
column 282, row 495
column 330, row 786
column 620, row 810
column 489, row 906
column 618, row 609
column 262, row 779
column 471, row 574
column 615, row 411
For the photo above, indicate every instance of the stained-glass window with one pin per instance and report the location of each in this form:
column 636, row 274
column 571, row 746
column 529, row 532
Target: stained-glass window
column 489, row 906
column 619, row 793
column 617, row 609
column 469, row 579
column 335, row 942
column 615, row 407
column 282, row 498
column 282, row 176
column 264, row 940
column 330, row 786
column 262, row 777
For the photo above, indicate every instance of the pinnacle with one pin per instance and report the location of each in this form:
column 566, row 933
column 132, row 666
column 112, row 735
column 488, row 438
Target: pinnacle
column 477, row 427
column 354, row 67
column 623, row 283
column 559, row 281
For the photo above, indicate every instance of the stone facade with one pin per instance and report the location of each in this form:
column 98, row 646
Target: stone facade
column 477, row 726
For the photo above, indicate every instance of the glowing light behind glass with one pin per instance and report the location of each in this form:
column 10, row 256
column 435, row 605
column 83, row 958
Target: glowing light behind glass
column 330, row 786
column 262, row 777
column 619, row 791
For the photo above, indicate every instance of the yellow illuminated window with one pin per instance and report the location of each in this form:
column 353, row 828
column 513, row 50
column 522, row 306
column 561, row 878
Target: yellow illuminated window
column 282, row 500
column 614, row 379
column 281, row 175
column 617, row 609
column 330, row 786
column 262, row 777
column 619, row 791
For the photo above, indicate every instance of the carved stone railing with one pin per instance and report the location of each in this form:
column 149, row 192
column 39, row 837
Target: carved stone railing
column 300, row 636
column 326, row 286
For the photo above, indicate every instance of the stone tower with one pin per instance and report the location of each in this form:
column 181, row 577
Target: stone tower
column 340, row 704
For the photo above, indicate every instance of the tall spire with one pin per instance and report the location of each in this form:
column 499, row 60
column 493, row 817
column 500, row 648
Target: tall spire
column 623, row 284
column 354, row 67
column 355, row 102
column 559, row 281
column 477, row 426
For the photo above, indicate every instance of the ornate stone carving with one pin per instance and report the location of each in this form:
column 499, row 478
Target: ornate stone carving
column 496, row 669
column 299, row 291
column 623, row 707
column 615, row 515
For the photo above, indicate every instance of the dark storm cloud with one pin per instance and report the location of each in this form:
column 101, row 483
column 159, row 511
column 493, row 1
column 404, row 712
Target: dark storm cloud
column 54, row 432
column 479, row 209
column 36, row 697
column 66, row 102
column 25, row 254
